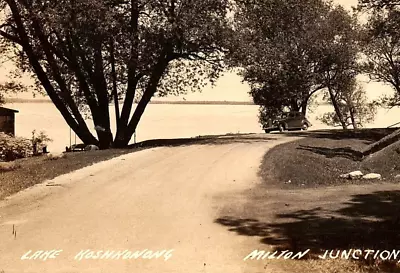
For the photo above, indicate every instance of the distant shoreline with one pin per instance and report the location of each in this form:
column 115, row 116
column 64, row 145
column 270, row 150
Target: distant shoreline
column 16, row 100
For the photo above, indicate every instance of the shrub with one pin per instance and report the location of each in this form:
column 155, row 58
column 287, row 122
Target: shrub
column 39, row 141
column 12, row 148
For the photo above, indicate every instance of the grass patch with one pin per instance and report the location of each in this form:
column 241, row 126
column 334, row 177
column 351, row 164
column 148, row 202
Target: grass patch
column 35, row 170
column 293, row 209
column 9, row 166
column 306, row 214
column 321, row 157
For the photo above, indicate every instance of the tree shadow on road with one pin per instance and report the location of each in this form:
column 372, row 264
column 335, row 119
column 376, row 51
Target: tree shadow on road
column 203, row 140
column 368, row 221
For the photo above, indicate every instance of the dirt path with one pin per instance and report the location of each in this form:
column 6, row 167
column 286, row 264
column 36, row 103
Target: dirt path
column 158, row 199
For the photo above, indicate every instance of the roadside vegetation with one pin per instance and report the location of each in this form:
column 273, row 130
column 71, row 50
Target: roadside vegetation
column 13, row 148
column 28, row 170
column 289, row 52
column 321, row 157
column 24, row 173
column 138, row 50
column 303, row 204
column 22, row 163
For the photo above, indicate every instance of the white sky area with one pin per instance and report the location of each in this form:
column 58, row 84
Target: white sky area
column 230, row 87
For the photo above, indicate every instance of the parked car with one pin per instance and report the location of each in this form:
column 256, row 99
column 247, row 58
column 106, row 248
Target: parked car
column 287, row 121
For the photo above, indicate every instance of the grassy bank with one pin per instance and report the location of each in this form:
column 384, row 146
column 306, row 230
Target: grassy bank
column 303, row 204
column 35, row 170
column 321, row 157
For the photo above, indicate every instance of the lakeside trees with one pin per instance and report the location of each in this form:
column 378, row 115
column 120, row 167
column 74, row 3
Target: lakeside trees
column 352, row 104
column 276, row 51
column 381, row 45
column 381, row 50
column 85, row 54
column 290, row 50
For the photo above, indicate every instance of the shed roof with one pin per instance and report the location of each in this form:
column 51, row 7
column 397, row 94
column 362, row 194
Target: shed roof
column 7, row 111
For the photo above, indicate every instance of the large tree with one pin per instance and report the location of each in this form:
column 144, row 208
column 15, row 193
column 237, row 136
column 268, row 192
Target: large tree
column 274, row 50
column 289, row 50
column 336, row 55
column 352, row 107
column 85, row 54
column 381, row 48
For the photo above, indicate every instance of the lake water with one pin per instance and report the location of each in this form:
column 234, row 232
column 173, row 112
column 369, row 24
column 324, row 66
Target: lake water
column 167, row 121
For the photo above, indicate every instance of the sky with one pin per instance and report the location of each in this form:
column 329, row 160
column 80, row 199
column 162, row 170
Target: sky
column 231, row 88
column 346, row 3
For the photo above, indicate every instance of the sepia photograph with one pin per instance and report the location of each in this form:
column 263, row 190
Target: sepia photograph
column 199, row 136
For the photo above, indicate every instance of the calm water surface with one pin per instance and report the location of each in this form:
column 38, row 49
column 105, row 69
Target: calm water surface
column 167, row 121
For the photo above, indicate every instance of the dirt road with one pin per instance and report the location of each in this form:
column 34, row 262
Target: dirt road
column 150, row 211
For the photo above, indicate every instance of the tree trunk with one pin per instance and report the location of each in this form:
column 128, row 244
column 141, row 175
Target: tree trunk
column 383, row 143
column 294, row 106
column 133, row 77
column 127, row 132
column 304, row 107
column 337, row 108
column 126, row 109
column 353, row 118
column 114, row 81
column 82, row 132
column 103, row 116
column 67, row 99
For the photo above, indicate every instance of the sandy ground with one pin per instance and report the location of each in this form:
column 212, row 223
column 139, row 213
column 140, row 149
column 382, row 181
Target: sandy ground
column 157, row 199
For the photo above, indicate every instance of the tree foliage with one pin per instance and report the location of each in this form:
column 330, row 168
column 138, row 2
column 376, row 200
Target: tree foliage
column 378, row 4
column 338, row 61
column 10, row 87
column 352, row 106
column 289, row 50
column 85, row 54
column 381, row 48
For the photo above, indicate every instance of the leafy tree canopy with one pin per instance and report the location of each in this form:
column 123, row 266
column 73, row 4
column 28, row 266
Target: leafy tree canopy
column 378, row 4
column 288, row 50
column 381, row 50
column 86, row 53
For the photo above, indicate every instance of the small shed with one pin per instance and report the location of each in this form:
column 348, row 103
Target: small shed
column 7, row 120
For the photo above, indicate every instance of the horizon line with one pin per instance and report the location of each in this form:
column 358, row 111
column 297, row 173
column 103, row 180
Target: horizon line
column 211, row 102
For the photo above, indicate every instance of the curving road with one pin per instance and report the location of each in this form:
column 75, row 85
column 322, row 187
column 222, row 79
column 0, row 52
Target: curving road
column 149, row 211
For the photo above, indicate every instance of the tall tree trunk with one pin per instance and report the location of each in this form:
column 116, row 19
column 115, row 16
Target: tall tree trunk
column 151, row 89
column 114, row 82
column 100, row 84
column 133, row 77
column 126, row 111
column 65, row 90
column 337, row 108
column 353, row 117
column 294, row 105
column 82, row 132
column 304, row 107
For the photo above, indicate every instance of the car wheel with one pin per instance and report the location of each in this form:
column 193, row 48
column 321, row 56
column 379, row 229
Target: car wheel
column 267, row 131
column 281, row 128
column 304, row 127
